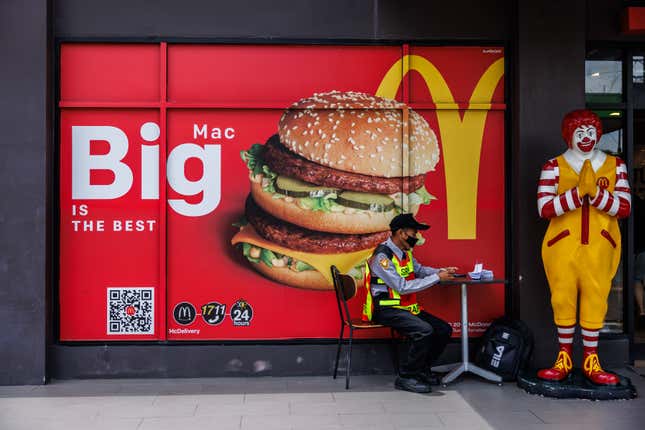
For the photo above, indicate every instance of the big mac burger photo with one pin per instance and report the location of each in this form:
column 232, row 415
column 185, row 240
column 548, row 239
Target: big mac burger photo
column 324, row 189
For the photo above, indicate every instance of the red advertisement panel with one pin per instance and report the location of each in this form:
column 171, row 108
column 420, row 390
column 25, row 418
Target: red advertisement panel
column 437, row 75
column 109, row 225
column 109, row 73
column 288, row 160
column 276, row 75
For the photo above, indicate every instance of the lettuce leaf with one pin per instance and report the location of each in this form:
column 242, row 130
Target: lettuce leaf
column 415, row 198
column 240, row 222
column 269, row 186
column 253, row 158
column 324, row 204
column 424, row 196
column 246, row 250
column 302, row 266
column 267, row 257
column 357, row 272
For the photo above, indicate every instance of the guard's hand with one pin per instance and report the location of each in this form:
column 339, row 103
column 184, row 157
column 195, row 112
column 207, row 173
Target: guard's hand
column 587, row 181
column 445, row 275
column 451, row 269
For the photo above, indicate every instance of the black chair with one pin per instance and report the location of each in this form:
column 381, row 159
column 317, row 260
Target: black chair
column 345, row 288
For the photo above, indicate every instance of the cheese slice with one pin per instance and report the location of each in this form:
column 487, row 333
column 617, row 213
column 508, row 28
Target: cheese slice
column 321, row 262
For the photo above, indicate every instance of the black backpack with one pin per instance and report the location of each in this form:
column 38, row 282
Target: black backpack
column 505, row 348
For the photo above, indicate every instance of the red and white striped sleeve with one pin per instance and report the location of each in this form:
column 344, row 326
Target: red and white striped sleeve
column 550, row 203
column 618, row 203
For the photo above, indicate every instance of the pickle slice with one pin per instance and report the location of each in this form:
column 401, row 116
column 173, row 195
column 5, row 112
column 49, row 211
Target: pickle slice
column 366, row 201
column 296, row 188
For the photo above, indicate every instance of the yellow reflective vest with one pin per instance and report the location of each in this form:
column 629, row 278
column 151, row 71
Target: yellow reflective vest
column 405, row 269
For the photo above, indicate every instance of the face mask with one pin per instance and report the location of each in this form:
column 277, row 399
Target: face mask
column 411, row 240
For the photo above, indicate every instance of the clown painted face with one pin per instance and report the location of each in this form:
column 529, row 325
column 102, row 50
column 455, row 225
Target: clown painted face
column 584, row 139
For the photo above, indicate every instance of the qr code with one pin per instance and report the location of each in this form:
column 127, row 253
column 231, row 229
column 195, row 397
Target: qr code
column 130, row 311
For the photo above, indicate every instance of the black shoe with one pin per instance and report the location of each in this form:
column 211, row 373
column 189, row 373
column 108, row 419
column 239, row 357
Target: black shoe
column 412, row 384
column 432, row 378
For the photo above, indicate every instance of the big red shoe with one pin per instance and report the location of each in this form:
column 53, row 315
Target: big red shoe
column 594, row 372
column 560, row 370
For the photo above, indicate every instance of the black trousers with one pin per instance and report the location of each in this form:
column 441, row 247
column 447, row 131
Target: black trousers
column 427, row 334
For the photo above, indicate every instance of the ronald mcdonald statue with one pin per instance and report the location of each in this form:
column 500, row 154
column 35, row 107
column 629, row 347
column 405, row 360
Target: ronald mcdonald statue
column 582, row 192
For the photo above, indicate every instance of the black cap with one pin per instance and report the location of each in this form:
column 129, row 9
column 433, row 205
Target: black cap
column 406, row 221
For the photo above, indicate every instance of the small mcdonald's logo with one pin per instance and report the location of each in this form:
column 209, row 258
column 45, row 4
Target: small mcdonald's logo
column 603, row 182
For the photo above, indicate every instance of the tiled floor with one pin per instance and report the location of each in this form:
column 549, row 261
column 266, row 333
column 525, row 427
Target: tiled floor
column 312, row 403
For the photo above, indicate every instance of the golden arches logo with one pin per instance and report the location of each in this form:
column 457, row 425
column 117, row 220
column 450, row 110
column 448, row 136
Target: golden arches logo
column 603, row 182
column 461, row 139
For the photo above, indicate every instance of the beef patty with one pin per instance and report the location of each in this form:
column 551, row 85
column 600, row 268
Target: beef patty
column 284, row 162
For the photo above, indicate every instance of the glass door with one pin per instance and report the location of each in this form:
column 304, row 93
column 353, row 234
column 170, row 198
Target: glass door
column 638, row 216
column 605, row 94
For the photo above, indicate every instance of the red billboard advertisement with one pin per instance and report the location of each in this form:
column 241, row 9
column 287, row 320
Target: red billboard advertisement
column 205, row 190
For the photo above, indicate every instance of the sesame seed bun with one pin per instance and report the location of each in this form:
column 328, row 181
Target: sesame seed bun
column 361, row 133
column 309, row 279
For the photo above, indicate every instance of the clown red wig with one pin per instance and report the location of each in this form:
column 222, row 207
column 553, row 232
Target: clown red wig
column 575, row 119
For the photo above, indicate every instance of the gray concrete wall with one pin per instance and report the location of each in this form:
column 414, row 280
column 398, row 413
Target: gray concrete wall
column 286, row 19
column 24, row 178
column 549, row 83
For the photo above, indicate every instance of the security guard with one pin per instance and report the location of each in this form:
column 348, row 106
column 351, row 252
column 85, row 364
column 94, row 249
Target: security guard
column 393, row 277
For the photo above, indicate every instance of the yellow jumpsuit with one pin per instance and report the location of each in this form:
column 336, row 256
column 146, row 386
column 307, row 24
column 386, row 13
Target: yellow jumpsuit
column 573, row 266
